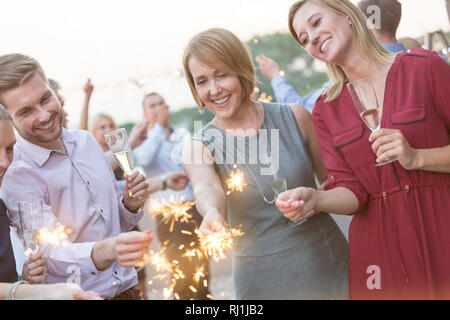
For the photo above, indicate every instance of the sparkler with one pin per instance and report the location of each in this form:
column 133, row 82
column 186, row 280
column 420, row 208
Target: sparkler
column 54, row 237
column 235, row 181
column 215, row 244
column 173, row 210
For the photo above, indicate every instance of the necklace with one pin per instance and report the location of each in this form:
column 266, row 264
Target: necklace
column 267, row 161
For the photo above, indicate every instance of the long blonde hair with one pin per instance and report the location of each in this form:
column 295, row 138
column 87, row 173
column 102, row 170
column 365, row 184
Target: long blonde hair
column 365, row 39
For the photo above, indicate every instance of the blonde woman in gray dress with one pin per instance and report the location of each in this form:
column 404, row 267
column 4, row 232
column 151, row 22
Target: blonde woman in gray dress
column 273, row 259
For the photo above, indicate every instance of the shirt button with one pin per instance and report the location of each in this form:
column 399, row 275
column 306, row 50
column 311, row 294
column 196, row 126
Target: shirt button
column 93, row 273
column 101, row 210
column 115, row 272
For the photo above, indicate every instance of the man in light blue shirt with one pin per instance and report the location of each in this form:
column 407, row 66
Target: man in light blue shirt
column 159, row 154
column 385, row 33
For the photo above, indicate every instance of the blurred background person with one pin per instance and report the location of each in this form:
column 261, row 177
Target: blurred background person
column 388, row 19
column 160, row 154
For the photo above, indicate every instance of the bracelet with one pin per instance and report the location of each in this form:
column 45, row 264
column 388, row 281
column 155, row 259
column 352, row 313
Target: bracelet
column 323, row 185
column 13, row 289
column 164, row 181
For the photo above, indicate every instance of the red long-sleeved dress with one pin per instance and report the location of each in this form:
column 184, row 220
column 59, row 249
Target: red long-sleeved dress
column 399, row 239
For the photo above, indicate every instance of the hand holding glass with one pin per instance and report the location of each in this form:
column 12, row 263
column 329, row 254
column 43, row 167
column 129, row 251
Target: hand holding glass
column 366, row 103
column 30, row 214
column 118, row 144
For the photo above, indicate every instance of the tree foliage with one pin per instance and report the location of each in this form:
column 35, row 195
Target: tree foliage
column 299, row 67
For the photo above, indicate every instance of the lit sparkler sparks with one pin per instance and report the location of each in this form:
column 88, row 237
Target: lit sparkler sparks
column 56, row 236
column 173, row 210
column 264, row 97
column 158, row 261
column 236, row 181
column 215, row 244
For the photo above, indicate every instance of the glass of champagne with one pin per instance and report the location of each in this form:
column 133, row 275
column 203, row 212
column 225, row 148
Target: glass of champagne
column 279, row 185
column 118, row 144
column 30, row 214
column 366, row 103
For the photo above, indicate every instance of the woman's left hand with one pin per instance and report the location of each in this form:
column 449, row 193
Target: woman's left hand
column 390, row 143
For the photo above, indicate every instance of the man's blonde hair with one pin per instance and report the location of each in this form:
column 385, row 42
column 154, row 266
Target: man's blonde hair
column 220, row 48
column 364, row 37
column 15, row 69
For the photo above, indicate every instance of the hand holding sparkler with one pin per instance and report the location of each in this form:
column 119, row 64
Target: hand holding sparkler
column 216, row 243
column 297, row 204
column 131, row 248
column 212, row 222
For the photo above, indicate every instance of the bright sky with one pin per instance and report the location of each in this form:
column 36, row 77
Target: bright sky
column 114, row 41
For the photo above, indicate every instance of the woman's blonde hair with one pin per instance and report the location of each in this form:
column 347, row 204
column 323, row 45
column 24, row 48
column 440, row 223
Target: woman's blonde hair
column 97, row 119
column 365, row 39
column 220, row 48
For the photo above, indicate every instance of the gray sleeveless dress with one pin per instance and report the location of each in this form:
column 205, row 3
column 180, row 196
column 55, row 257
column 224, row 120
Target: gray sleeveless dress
column 275, row 260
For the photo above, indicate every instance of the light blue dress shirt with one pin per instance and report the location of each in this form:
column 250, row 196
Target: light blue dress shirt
column 160, row 154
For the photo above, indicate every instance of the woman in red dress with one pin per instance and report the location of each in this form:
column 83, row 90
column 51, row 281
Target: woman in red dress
column 399, row 237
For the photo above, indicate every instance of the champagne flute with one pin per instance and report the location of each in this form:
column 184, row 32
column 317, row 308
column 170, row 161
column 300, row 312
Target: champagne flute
column 118, row 144
column 30, row 214
column 366, row 103
column 279, row 185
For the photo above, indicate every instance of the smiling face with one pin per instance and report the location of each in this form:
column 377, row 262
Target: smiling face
column 326, row 35
column 219, row 89
column 35, row 111
column 7, row 141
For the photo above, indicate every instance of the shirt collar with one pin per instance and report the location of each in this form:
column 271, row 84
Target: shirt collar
column 394, row 47
column 39, row 154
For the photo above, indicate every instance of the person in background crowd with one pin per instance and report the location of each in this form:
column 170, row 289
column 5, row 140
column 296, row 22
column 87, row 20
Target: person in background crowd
column 158, row 155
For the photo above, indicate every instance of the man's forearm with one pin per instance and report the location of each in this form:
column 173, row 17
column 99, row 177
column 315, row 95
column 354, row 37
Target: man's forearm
column 103, row 253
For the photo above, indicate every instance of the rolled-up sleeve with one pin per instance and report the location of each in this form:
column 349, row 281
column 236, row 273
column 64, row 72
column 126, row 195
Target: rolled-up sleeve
column 340, row 173
column 61, row 256
column 147, row 151
column 128, row 220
